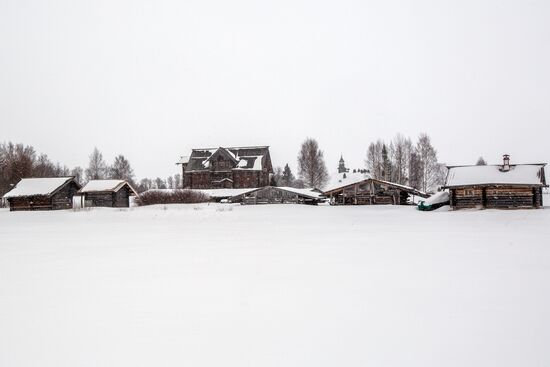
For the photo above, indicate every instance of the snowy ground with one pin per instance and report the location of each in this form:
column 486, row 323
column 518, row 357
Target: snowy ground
column 280, row 285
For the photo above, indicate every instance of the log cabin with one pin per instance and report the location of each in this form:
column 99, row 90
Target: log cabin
column 360, row 189
column 227, row 168
column 279, row 195
column 49, row 193
column 105, row 193
column 505, row 186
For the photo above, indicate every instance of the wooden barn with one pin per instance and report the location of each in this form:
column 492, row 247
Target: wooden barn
column 50, row 193
column 227, row 168
column 506, row 186
column 363, row 190
column 279, row 195
column 105, row 193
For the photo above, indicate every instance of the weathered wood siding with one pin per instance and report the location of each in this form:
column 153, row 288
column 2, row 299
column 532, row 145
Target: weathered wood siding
column 240, row 179
column 62, row 199
column 370, row 193
column 467, row 198
column 497, row 197
column 274, row 195
column 108, row 199
column 30, row 203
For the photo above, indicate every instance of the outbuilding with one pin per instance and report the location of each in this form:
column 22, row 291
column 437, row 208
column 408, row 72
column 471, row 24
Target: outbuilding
column 48, row 193
column 506, row 186
column 105, row 193
column 279, row 195
column 370, row 191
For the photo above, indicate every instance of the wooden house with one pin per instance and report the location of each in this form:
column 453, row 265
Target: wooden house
column 227, row 168
column 364, row 190
column 506, row 186
column 50, row 193
column 279, row 195
column 105, row 193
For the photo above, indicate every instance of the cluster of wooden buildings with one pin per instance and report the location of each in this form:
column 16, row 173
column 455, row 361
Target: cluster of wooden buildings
column 55, row 193
column 242, row 175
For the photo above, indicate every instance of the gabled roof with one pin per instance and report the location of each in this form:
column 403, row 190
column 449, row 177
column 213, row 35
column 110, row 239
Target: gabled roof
column 344, row 179
column 254, row 158
column 38, row 186
column 105, row 186
column 183, row 160
column 410, row 190
column 519, row 174
column 225, row 152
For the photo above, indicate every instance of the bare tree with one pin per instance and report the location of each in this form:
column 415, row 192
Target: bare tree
column 374, row 159
column 170, row 182
column 481, row 162
column 400, row 150
column 97, row 168
column 386, row 164
column 121, row 169
column 160, row 183
column 428, row 161
column 78, row 174
column 16, row 162
column 311, row 164
column 177, row 181
column 144, row 185
column 277, row 176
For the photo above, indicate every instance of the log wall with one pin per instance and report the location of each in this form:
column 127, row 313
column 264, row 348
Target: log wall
column 497, row 197
column 274, row 195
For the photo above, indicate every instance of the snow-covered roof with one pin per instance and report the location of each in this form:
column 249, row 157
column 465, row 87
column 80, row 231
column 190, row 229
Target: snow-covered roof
column 253, row 163
column 104, row 185
column 183, row 160
column 243, row 158
column 437, row 198
column 520, row 174
column 37, row 186
column 312, row 193
column 339, row 180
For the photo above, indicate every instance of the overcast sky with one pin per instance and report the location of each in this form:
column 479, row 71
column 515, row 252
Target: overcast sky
column 151, row 80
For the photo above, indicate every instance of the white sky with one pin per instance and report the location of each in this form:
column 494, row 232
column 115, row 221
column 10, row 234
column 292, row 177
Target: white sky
column 151, row 80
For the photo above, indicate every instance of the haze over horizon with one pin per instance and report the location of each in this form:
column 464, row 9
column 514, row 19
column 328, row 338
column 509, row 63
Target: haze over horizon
column 154, row 80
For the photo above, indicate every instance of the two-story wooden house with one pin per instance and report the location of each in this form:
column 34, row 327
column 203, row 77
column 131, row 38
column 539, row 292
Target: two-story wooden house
column 233, row 167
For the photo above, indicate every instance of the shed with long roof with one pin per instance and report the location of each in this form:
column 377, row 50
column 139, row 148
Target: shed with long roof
column 45, row 193
column 506, row 186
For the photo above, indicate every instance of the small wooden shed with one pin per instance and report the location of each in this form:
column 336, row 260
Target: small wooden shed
column 370, row 191
column 506, row 186
column 279, row 195
column 48, row 193
column 105, row 193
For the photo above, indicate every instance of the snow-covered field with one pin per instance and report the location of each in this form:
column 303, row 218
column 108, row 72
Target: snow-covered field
column 281, row 285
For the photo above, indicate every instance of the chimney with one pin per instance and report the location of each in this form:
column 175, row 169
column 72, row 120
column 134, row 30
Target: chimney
column 505, row 163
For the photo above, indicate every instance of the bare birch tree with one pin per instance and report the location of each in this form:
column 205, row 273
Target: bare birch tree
column 311, row 164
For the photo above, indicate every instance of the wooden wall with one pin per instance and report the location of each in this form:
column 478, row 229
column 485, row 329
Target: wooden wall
column 242, row 179
column 274, row 195
column 62, row 199
column 108, row 199
column 370, row 193
column 496, row 197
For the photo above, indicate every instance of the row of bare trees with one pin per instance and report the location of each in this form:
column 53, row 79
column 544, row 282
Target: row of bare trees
column 400, row 161
column 406, row 163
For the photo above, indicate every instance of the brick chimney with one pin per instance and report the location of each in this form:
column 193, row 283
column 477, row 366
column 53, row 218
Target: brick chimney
column 505, row 163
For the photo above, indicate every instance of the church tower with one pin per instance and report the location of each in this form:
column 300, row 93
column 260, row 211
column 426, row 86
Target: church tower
column 342, row 166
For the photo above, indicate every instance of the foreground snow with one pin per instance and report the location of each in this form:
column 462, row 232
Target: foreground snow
column 281, row 285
